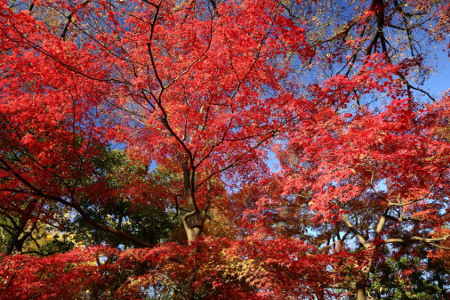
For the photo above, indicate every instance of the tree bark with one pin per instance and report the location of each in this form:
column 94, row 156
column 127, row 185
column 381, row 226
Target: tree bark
column 194, row 220
column 15, row 242
column 360, row 291
column 193, row 225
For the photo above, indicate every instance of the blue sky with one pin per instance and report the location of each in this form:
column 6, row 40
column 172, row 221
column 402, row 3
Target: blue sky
column 440, row 81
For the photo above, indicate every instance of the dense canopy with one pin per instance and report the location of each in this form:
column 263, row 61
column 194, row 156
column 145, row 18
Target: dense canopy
column 212, row 149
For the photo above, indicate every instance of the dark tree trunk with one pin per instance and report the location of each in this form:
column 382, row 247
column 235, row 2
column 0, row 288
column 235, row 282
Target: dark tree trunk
column 15, row 242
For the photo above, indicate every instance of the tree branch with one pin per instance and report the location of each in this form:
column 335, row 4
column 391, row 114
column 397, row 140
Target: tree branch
column 38, row 192
column 417, row 239
column 350, row 226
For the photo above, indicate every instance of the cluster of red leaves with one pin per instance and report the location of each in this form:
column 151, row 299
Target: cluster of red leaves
column 48, row 112
column 396, row 152
column 68, row 275
column 216, row 268
column 212, row 88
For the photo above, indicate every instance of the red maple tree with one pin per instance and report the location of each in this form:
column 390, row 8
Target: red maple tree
column 202, row 90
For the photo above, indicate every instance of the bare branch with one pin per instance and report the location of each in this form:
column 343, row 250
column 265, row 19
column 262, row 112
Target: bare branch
column 417, row 239
column 350, row 226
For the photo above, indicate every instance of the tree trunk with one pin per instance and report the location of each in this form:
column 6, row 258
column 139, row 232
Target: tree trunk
column 193, row 229
column 360, row 291
column 15, row 242
column 192, row 221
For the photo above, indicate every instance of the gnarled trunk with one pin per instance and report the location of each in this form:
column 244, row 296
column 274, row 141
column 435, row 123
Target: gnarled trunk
column 193, row 225
column 192, row 221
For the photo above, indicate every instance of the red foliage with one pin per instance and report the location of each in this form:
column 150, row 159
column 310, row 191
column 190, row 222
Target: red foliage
column 204, row 88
